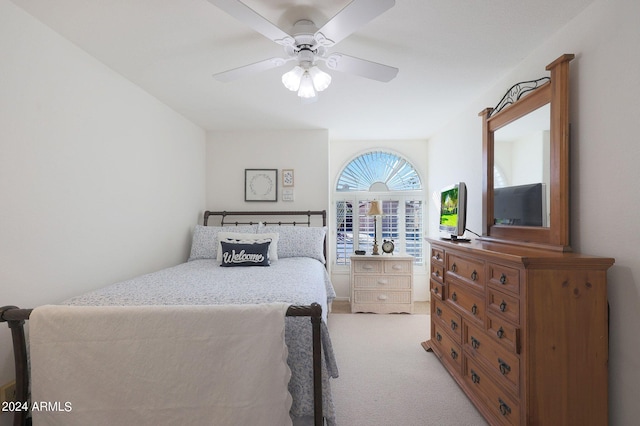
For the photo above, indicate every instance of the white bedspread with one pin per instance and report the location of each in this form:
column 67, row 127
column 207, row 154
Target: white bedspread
column 151, row 365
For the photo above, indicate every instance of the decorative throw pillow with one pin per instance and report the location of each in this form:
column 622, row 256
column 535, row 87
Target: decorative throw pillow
column 245, row 254
column 248, row 238
column 205, row 239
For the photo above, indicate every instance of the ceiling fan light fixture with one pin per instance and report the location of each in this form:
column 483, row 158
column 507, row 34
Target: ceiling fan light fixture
column 292, row 79
column 306, row 87
column 321, row 80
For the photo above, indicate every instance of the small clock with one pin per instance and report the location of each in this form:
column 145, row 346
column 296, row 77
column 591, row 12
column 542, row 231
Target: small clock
column 388, row 246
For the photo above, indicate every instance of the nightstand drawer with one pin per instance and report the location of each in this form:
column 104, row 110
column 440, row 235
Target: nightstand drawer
column 387, row 282
column 372, row 296
column 367, row 267
column 398, row 266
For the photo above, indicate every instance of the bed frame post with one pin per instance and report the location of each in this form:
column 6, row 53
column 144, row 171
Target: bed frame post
column 14, row 318
column 316, row 319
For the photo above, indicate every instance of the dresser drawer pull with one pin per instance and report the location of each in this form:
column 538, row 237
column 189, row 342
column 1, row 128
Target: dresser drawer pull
column 397, row 267
column 474, row 276
column 437, row 273
column 435, row 290
column 367, row 267
column 475, row 343
column 503, row 279
column 504, row 367
column 438, row 311
column 474, row 309
column 500, row 333
column 503, row 306
column 437, row 256
column 454, row 325
column 438, row 337
column 454, row 296
column 383, row 282
column 454, row 354
column 454, row 267
column 474, row 377
column 383, row 297
column 504, row 408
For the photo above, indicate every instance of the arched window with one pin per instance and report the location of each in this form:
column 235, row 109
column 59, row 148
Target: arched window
column 391, row 179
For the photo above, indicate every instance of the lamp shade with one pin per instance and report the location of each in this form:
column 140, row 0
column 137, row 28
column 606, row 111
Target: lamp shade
column 293, row 78
column 375, row 208
column 306, row 87
column 321, row 80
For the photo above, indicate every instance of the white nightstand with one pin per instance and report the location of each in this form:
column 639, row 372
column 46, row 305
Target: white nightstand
column 382, row 284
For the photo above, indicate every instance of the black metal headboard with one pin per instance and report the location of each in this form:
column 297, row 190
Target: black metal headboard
column 235, row 218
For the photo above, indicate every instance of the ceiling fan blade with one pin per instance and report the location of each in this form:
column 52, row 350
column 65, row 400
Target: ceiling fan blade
column 251, row 69
column 361, row 67
column 348, row 20
column 245, row 14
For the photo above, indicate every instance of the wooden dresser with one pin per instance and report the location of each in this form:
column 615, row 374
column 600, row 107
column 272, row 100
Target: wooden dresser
column 382, row 284
column 523, row 331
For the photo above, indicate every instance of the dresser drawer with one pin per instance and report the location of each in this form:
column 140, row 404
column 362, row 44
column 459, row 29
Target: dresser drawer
column 448, row 319
column 469, row 302
column 504, row 306
column 366, row 266
column 503, row 407
column 437, row 272
column 504, row 364
column 437, row 289
column 386, row 282
column 449, row 349
column 467, row 270
column 382, row 297
column 437, row 256
column 506, row 334
column 504, row 278
column 397, row 266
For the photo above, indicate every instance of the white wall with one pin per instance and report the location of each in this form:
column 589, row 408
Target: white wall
column 604, row 167
column 342, row 152
column 229, row 153
column 98, row 180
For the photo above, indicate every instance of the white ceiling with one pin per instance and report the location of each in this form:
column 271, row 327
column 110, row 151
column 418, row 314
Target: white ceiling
column 448, row 53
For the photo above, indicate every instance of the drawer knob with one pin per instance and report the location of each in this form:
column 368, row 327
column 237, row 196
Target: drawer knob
column 383, row 282
column 500, row 333
column 474, row 377
column 367, row 267
column 504, row 408
column 454, row 267
column 438, row 311
column 504, row 367
column 454, row 325
column 454, row 296
column 437, row 273
column 397, row 267
column 503, row 279
column 474, row 309
column 435, row 290
column 438, row 337
column 474, row 276
column 503, row 306
column 383, row 297
column 437, row 256
column 454, row 354
column 475, row 343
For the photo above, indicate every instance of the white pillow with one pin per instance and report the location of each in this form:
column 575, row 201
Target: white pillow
column 245, row 238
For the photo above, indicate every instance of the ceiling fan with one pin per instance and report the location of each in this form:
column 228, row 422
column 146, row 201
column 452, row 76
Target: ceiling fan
column 307, row 46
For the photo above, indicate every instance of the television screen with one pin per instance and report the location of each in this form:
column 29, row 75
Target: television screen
column 521, row 205
column 453, row 209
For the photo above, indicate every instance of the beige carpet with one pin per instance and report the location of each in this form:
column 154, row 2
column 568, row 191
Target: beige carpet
column 387, row 378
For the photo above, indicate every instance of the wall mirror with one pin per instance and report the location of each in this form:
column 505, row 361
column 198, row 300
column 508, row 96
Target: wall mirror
column 526, row 163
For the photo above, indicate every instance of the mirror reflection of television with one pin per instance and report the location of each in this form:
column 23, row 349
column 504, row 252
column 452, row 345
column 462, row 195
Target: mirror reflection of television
column 453, row 211
column 520, row 205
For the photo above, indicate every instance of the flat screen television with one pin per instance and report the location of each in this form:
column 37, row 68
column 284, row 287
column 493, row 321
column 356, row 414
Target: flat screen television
column 520, row 205
column 453, row 211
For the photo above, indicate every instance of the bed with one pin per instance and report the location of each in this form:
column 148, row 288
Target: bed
column 296, row 275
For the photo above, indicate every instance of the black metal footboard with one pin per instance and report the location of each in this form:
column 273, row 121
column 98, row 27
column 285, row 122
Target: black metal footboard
column 15, row 318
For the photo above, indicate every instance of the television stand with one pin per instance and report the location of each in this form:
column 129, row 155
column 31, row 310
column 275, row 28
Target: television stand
column 456, row 239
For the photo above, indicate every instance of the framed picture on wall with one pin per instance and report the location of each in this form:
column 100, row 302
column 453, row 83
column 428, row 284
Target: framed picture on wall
column 261, row 184
column 287, row 177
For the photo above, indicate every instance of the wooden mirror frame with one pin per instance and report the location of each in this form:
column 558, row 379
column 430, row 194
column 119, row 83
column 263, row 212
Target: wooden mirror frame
column 556, row 93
